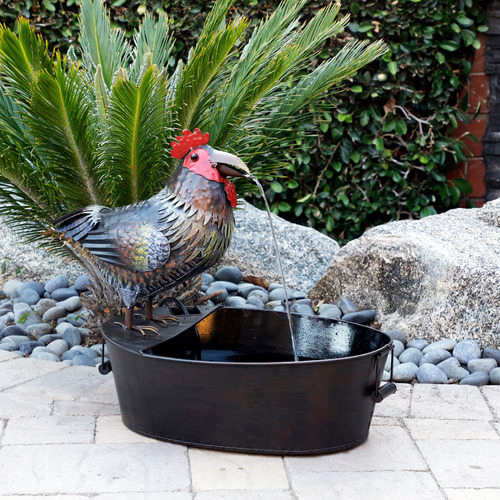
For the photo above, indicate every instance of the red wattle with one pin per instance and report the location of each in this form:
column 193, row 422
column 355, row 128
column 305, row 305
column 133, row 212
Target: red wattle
column 231, row 192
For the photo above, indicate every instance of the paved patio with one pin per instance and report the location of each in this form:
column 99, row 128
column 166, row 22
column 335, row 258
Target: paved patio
column 61, row 435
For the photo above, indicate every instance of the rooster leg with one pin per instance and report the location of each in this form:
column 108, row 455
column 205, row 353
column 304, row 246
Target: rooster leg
column 151, row 317
column 129, row 323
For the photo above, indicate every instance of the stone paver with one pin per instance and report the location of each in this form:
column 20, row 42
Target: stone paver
column 450, row 402
column 387, row 448
column 244, row 495
column 397, row 405
column 463, row 464
column 381, row 485
column 43, row 497
column 104, row 393
column 111, row 429
column 11, row 405
column 84, row 408
column 176, row 495
column 472, row 494
column 430, row 428
column 49, row 430
column 17, row 371
column 215, row 470
column 492, row 395
column 93, row 468
column 7, row 356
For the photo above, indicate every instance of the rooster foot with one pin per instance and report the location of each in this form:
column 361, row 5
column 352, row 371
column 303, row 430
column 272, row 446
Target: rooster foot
column 139, row 328
column 159, row 319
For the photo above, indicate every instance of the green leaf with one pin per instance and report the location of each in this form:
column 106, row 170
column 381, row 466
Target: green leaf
column 393, row 67
column 463, row 185
column 284, row 206
column 276, row 187
column 449, row 45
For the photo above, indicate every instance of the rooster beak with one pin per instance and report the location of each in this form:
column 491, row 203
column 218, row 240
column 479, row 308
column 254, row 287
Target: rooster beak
column 224, row 160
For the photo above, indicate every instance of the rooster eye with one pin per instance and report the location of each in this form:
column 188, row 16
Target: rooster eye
column 194, row 157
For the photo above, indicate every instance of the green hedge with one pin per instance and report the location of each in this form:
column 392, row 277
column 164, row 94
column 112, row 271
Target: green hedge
column 384, row 145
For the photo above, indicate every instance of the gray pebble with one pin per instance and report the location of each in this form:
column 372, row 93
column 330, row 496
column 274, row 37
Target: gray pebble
column 86, row 351
column 279, row 309
column 60, row 281
column 260, row 294
column 245, row 288
column 38, row 330
column 8, row 347
column 235, row 302
column 7, row 318
column 405, row 372
column 411, row 355
column 44, row 356
column 10, row 287
column 332, row 312
column 27, row 347
column 304, row 309
column 207, row 279
column 388, row 362
column 47, row 339
column 68, row 355
column 431, row 374
column 398, row 348
column 491, row 352
column 466, row 350
column 274, row 285
column 81, row 283
column 297, row 295
column 397, row 335
column 58, row 347
column 254, row 300
column 279, row 294
column 31, row 285
column 229, row 273
column 478, row 379
column 417, row 343
column 71, row 305
column 495, row 376
column 220, row 297
column 445, row 344
column 20, row 309
column 62, row 327
column 13, row 330
column 82, row 360
column 43, row 306
column 29, row 296
column 249, row 306
column 74, row 319
column 98, row 349
column 452, row 369
column 434, row 356
column 55, row 313
column 273, row 303
column 481, row 365
column 72, row 336
column 307, row 302
column 386, row 376
column 359, row 317
column 14, row 339
column 228, row 285
column 63, row 293
column 347, row 306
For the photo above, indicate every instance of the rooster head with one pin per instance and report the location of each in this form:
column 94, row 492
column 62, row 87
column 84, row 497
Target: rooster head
column 200, row 158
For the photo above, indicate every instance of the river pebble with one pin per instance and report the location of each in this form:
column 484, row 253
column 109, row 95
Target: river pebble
column 262, row 295
column 29, row 296
column 60, row 281
column 466, row 350
column 418, row 344
column 63, row 293
column 495, row 376
column 434, row 356
column 398, row 347
column 481, row 365
column 444, row 344
column 478, row 379
column 405, row 372
column 490, row 352
column 229, row 273
column 81, row 283
column 397, row 335
column 347, row 306
column 411, row 355
column 359, row 317
column 58, row 347
column 431, row 374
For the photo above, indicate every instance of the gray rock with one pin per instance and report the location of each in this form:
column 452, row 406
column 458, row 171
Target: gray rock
column 452, row 369
column 478, row 379
column 77, row 320
column 332, row 312
column 398, row 348
column 13, row 330
column 10, row 287
column 388, row 362
column 26, row 348
column 229, row 273
column 305, row 253
column 434, row 356
column 7, row 346
column 60, row 281
column 221, row 294
column 14, row 339
column 495, row 376
column 72, row 336
column 87, row 351
column 307, row 302
column 20, row 309
column 207, row 279
column 360, row 317
column 235, row 302
column 228, row 285
column 71, row 305
column 466, row 350
column 411, row 355
column 7, row 318
column 397, row 335
column 249, row 306
column 62, row 327
column 31, row 285
column 63, row 293
column 418, row 344
column 386, row 376
column 347, row 306
column 81, row 283
column 431, row 374
column 446, row 344
column 481, row 365
column 426, row 276
column 262, row 295
column 325, row 306
column 43, row 306
column 69, row 355
column 245, row 288
column 279, row 294
column 405, row 372
column 491, row 352
column 304, row 309
column 29, row 296
column 38, row 330
column 45, row 356
column 98, row 348
column 82, row 360
column 255, row 301
column 58, row 347
column 297, row 294
column 47, row 339
column 55, row 313
column 279, row 309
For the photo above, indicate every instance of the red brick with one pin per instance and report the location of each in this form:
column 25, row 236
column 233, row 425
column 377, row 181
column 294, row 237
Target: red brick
column 477, row 127
column 479, row 62
column 479, row 202
column 475, row 175
column 479, row 92
column 459, row 171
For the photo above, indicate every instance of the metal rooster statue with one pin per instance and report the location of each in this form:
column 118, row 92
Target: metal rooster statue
column 153, row 245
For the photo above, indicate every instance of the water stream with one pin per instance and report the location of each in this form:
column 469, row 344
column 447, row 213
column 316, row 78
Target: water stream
column 280, row 267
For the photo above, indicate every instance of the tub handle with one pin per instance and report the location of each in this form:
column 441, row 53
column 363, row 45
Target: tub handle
column 380, row 393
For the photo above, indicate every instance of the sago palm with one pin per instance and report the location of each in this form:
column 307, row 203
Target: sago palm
column 97, row 131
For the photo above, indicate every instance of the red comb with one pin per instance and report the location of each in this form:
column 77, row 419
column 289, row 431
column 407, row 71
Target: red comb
column 187, row 141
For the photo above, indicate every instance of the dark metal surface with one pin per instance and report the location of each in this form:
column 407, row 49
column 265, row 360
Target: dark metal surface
column 320, row 405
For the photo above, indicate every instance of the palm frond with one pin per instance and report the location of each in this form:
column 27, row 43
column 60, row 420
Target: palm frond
column 132, row 149
column 101, row 44
column 62, row 119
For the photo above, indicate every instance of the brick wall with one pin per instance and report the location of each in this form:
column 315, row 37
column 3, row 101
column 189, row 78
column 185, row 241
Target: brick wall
column 474, row 169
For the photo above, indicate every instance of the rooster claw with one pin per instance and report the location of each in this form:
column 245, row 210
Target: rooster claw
column 160, row 319
column 140, row 328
